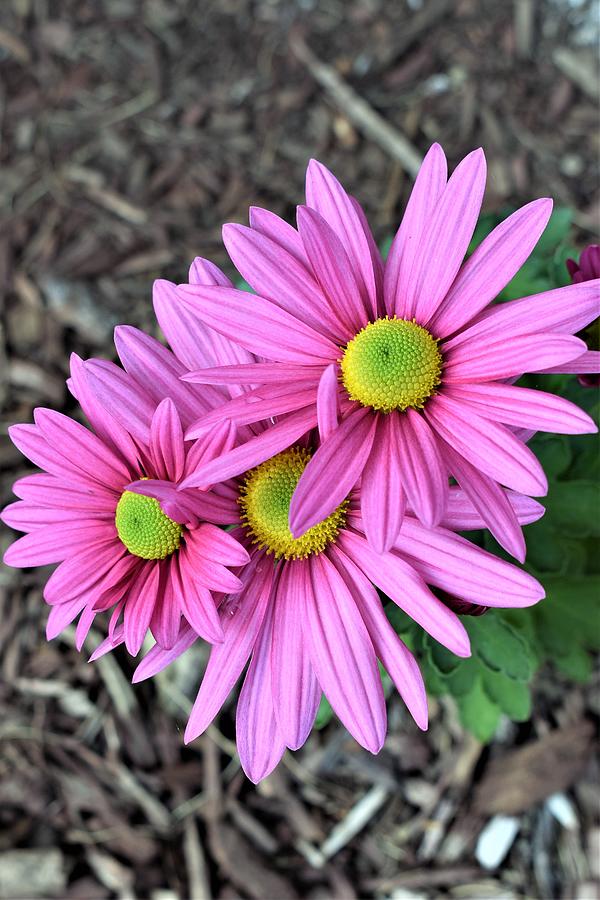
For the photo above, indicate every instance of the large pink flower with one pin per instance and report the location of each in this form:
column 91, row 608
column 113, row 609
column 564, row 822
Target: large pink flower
column 412, row 354
column 309, row 618
column 118, row 549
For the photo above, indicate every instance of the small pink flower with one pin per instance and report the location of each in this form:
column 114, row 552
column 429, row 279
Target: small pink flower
column 587, row 269
column 413, row 355
column 309, row 620
column 117, row 549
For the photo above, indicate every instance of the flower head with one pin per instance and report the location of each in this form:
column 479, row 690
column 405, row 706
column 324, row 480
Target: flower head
column 410, row 359
column 309, row 619
column 154, row 559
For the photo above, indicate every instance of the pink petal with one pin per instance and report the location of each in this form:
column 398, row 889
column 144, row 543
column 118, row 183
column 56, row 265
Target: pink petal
column 565, row 310
column 326, row 195
column 53, row 543
column 382, row 499
column 62, row 615
column 240, row 459
column 333, row 271
column 454, row 564
column 86, row 620
column 342, row 654
column 24, row 516
column 207, row 571
column 253, row 374
column 490, row 447
column 181, row 506
column 423, row 474
column 122, row 397
column 259, row 741
column 524, row 408
column 277, row 276
column 479, row 360
column 212, row 444
column 166, row 617
column 397, row 660
column 328, row 402
column 586, row 364
column 81, row 571
column 376, row 258
column 203, row 271
column 108, row 644
column 229, row 658
column 196, row 602
column 139, row 607
column 166, row 441
column 279, row 231
column 497, row 259
column 491, row 502
column 407, row 589
column 219, row 545
column 158, row 658
column 407, row 244
column 461, row 515
column 295, row 689
column 332, row 472
column 447, row 236
column 258, row 324
column 43, row 489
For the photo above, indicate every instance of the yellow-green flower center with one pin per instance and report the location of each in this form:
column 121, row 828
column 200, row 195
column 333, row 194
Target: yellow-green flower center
column 391, row 364
column 144, row 528
column 265, row 502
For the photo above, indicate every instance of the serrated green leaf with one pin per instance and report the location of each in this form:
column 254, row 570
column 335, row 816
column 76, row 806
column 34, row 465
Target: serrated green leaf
column 464, row 676
column 576, row 663
column 500, row 646
column 513, row 697
column 478, row 712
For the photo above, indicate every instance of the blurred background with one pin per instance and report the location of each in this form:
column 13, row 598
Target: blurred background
column 130, row 131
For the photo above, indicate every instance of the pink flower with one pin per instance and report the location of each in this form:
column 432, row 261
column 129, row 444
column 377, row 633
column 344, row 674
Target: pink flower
column 588, row 266
column 117, row 549
column 309, row 619
column 588, row 365
column 412, row 354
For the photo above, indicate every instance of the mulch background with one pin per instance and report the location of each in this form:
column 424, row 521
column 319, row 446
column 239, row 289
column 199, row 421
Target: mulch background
column 130, row 131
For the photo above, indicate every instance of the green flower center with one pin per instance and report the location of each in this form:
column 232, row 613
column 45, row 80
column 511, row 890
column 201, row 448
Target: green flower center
column 265, row 503
column 144, row 528
column 391, row 364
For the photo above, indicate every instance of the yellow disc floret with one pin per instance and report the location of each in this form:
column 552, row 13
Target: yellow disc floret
column 144, row 528
column 391, row 364
column 265, row 502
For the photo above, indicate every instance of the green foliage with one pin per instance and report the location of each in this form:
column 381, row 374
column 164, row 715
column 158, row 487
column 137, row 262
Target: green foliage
column 510, row 646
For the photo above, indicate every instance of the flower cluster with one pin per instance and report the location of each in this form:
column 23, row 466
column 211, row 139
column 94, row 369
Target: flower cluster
column 304, row 447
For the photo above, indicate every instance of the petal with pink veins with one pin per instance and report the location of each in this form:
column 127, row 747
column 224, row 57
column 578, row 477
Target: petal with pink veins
column 382, row 499
column 423, row 473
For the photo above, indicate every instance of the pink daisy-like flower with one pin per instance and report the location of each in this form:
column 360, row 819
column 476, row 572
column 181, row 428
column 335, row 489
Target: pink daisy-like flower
column 116, row 548
column 587, row 366
column 309, row 619
column 412, row 353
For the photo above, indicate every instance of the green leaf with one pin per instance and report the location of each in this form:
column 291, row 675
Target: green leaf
column 554, row 453
column 384, row 247
column 513, row 697
column 576, row 663
column 500, row 646
column 242, row 285
column 478, row 712
column 574, row 506
column 556, row 230
column 485, row 225
column 324, row 713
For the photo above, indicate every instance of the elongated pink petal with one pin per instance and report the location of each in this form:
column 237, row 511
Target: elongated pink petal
column 342, row 654
column 497, row 259
column 333, row 271
column 295, row 689
column 62, row 615
column 332, row 472
column 407, row 244
column 78, row 573
column 191, row 341
column 406, row 588
column 255, row 373
column 108, row 644
column 376, row 258
column 139, row 607
column 166, row 617
column 259, row 740
column 208, row 572
column 447, row 236
column 258, row 325
column 491, row 502
column 382, row 499
column 277, row 276
column 158, row 658
column 212, row 444
column 219, row 545
column 86, row 620
column 279, row 231
column 25, row 516
column 83, row 448
column 195, row 601
column 328, row 406
column 32, row 444
column 256, row 450
column 397, row 660
column 122, row 397
column 422, row 471
column 228, row 659
column 203, row 271
column 490, row 447
column 181, row 506
column 586, row 364
column 454, row 564
column 461, row 515
column 478, row 360
column 166, row 441
column 53, row 543
column 115, row 584
column 325, row 194
column 524, row 408
column 565, row 310
column 43, row 489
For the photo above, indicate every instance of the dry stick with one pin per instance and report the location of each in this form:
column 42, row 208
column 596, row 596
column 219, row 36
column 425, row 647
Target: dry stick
column 358, row 110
